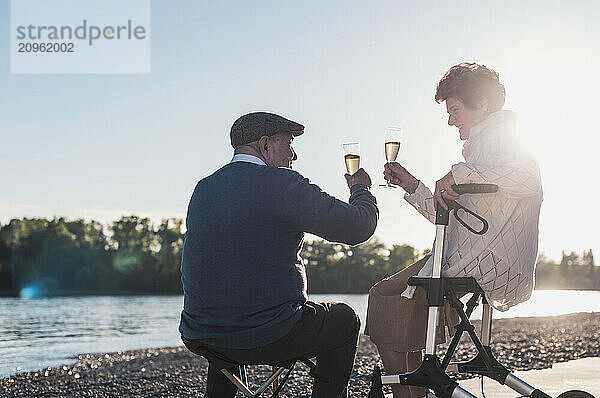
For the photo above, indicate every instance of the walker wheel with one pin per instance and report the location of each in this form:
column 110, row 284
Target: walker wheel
column 575, row 394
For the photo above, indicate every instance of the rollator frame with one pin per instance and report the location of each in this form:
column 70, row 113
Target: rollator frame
column 431, row 374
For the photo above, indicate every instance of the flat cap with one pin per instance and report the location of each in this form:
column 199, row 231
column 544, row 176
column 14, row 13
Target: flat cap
column 250, row 127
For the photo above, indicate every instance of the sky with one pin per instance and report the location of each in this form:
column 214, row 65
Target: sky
column 98, row 146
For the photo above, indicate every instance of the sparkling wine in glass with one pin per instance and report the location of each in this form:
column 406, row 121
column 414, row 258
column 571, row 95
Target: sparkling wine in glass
column 393, row 137
column 352, row 157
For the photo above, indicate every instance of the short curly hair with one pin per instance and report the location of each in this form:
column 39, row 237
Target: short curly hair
column 471, row 83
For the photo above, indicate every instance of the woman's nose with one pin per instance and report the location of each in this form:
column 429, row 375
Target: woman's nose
column 450, row 121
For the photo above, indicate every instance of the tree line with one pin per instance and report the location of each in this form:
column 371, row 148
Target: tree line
column 41, row 257
column 62, row 257
column 572, row 272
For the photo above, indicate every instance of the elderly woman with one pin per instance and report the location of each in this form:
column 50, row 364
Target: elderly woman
column 502, row 260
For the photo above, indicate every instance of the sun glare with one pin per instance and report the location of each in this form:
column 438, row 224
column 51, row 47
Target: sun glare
column 555, row 102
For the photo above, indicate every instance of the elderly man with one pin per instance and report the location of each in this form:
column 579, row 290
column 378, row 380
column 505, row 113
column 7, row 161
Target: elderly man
column 244, row 281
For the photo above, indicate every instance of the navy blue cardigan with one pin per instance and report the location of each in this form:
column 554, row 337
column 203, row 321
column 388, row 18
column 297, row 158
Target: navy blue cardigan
column 242, row 274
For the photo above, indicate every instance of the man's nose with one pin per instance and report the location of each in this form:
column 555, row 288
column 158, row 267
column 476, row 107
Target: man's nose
column 450, row 121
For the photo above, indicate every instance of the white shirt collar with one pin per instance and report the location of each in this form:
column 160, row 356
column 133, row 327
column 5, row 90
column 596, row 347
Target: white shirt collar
column 242, row 157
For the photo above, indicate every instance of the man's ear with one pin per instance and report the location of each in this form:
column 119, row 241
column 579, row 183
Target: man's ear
column 263, row 145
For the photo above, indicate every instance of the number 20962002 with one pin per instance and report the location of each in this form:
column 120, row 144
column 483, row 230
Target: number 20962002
column 46, row 47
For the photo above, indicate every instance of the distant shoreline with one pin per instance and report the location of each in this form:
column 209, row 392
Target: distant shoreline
column 519, row 343
column 141, row 294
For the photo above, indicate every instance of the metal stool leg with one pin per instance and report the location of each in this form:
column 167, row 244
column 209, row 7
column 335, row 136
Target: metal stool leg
column 241, row 382
column 238, row 382
column 243, row 374
column 486, row 324
column 276, row 381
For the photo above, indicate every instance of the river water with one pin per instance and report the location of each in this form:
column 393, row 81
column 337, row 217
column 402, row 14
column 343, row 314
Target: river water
column 47, row 332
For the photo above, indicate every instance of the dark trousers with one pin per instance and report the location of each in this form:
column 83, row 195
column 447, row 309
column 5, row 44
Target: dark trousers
column 327, row 331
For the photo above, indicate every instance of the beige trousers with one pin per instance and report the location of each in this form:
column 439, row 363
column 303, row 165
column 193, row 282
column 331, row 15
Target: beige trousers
column 400, row 324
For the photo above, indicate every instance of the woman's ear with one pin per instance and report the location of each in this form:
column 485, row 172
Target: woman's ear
column 484, row 106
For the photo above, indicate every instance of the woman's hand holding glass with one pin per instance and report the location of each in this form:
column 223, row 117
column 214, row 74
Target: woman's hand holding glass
column 393, row 138
column 394, row 173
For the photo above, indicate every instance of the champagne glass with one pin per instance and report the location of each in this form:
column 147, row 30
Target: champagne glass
column 352, row 157
column 392, row 137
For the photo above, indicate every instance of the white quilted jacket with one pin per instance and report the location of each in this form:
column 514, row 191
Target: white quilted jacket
column 503, row 259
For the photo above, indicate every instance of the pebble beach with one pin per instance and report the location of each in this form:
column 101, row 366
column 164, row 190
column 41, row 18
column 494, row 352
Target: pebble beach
column 519, row 344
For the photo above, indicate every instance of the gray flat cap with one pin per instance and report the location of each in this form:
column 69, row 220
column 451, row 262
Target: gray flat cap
column 249, row 128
